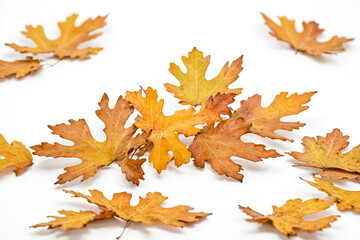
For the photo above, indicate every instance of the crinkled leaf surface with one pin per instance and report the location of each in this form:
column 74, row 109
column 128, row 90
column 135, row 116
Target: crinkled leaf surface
column 20, row 67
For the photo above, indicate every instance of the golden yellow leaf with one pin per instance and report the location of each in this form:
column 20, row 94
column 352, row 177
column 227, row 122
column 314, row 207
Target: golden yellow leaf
column 14, row 155
column 345, row 199
column 74, row 220
column 217, row 144
column 146, row 211
column 337, row 174
column 290, row 216
column 305, row 40
column 118, row 145
column 20, row 67
column 265, row 121
column 326, row 153
column 194, row 87
column 70, row 38
column 165, row 129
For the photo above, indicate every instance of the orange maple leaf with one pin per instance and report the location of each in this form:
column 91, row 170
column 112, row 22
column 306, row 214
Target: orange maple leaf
column 118, row 145
column 265, row 121
column 70, row 38
column 305, row 40
column 20, row 67
column 165, row 129
column 217, row 144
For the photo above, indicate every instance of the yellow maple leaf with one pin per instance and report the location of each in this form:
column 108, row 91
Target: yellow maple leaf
column 326, row 153
column 165, row 129
column 290, row 216
column 94, row 154
column 20, row 67
column 195, row 88
column 345, row 199
column 14, row 155
column 305, row 40
column 265, row 121
column 70, row 38
column 217, row 144
column 147, row 211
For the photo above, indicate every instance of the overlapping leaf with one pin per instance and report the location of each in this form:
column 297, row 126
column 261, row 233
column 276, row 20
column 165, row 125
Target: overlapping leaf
column 70, row 38
column 265, row 121
column 118, row 145
column 307, row 39
column 326, row 153
column 195, row 88
column 165, row 129
column 217, row 144
column 290, row 216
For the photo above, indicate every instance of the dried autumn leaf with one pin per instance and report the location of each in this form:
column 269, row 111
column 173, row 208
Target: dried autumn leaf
column 118, row 145
column 326, row 153
column 217, row 144
column 165, row 129
column 305, row 40
column 290, row 216
column 74, row 220
column 265, row 121
column 345, row 199
column 70, row 38
column 337, row 174
column 14, row 155
column 20, row 67
column 146, row 211
column 195, row 88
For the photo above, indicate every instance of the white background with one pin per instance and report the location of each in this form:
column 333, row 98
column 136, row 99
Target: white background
column 140, row 40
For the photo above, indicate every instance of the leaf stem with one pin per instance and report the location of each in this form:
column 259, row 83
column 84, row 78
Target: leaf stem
column 123, row 231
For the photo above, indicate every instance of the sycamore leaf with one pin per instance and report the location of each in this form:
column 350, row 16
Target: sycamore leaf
column 14, row 155
column 74, row 220
column 195, row 88
column 217, row 144
column 70, row 38
column 165, row 129
column 290, row 216
column 265, row 121
column 345, row 199
column 305, row 40
column 326, row 153
column 20, row 67
column 118, row 145
column 147, row 211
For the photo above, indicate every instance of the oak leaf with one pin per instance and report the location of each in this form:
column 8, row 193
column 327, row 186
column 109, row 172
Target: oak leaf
column 290, row 216
column 147, row 211
column 20, row 67
column 326, row 153
column 217, row 144
column 305, row 40
column 345, row 199
column 165, row 129
column 265, row 121
column 195, row 88
column 118, row 145
column 14, row 155
column 70, row 38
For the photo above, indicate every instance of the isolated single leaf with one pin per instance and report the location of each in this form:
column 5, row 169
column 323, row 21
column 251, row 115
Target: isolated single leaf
column 74, row 220
column 265, row 121
column 326, row 153
column 217, row 144
column 146, row 211
column 345, row 199
column 94, row 154
column 70, row 38
column 305, row 40
column 14, row 155
column 290, row 216
column 20, row 67
column 195, row 88
column 165, row 129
